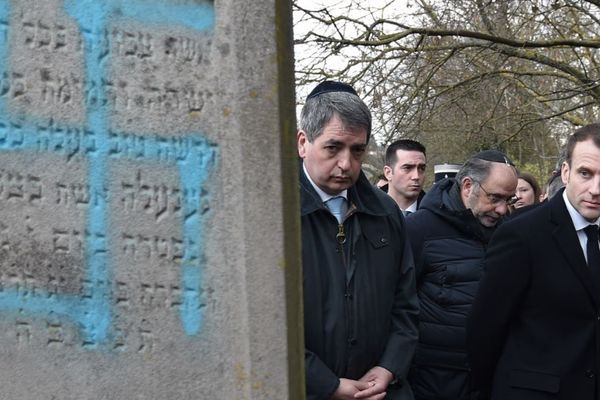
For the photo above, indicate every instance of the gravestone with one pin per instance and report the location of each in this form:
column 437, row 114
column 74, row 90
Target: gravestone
column 144, row 245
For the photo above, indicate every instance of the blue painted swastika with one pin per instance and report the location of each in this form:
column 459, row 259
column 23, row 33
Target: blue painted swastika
column 91, row 14
column 99, row 146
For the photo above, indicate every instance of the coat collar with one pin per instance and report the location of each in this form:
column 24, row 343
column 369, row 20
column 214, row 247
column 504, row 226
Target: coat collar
column 444, row 200
column 362, row 195
column 566, row 240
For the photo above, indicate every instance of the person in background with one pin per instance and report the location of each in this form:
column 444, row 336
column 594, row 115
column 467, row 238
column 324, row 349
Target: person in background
column 528, row 191
column 405, row 165
column 360, row 303
column 553, row 186
column 448, row 235
column 554, row 183
column 382, row 183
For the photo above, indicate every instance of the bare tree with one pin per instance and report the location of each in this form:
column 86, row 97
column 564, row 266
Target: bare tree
column 462, row 75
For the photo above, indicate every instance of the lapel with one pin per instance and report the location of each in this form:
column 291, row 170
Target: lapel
column 567, row 242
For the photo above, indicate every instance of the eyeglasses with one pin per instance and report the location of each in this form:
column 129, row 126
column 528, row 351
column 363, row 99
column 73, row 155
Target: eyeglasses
column 497, row 199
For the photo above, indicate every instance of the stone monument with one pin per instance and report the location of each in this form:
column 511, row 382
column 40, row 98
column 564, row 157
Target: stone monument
column 145, row 243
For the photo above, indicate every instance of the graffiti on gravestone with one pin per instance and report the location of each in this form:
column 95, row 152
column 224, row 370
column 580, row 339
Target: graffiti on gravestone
column 102, row 212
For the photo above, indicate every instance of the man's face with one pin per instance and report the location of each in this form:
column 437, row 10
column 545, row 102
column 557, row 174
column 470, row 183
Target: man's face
column 407, row 176
column 582, row 179
column 487, row 199
column 333, row 160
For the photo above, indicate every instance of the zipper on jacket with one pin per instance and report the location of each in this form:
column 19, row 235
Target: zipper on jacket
column 348, row 300
column 341, row 235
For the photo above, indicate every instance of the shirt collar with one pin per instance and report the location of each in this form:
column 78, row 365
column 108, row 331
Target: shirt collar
column 412, row 208
column 324, row 196
column 578, row 221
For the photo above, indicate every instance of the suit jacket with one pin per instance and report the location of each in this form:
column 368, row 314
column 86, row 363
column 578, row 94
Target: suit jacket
column 534, row 328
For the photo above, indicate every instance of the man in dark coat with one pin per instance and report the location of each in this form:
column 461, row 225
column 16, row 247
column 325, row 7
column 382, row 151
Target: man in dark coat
column 360, row 305
column 449, row 234
column 534, row 329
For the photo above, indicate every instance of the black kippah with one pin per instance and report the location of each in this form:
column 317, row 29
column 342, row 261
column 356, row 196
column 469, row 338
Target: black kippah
column 331, row 86
column 494, row 156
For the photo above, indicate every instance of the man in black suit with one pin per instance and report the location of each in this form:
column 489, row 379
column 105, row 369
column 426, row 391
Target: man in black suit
column 534, row 328
column 405, row 164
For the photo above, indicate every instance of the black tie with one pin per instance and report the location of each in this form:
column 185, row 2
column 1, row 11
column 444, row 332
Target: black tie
column 593, row 252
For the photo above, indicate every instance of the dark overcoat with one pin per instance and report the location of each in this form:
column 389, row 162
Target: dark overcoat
column 534, row 327
column 448, row 244
column 360, row 303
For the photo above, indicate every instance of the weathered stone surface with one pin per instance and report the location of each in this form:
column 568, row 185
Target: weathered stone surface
column 142, row 249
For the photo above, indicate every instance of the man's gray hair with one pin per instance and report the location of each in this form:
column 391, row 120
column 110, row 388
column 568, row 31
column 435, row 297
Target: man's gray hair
column 319, row 110
column 475, row 168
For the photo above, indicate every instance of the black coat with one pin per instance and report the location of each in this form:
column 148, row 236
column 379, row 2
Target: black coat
column 534, row 328
column 360, row 305
column 448, row 244
column 420, row 198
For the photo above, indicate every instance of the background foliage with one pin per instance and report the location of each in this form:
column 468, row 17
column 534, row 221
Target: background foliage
column 460, row 75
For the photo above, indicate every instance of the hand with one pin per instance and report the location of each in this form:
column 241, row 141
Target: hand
column 348, row 388
column 378, row 379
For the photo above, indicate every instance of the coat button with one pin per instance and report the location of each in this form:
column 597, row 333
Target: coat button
column 590, row 374
column 348, row 296
column 352, row 341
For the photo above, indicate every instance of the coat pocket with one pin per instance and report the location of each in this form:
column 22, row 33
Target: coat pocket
column 534, row 381
column 378, row 235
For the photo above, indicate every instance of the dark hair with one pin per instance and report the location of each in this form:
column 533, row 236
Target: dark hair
column 581, row 135
column 319, row 110
column 527, row 177
column 403, row 144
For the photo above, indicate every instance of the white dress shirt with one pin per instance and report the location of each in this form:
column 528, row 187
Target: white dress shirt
column 580, row 223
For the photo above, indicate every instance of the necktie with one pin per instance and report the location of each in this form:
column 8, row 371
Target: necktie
column 407, row 213
column 593, row 253
column 337, row 206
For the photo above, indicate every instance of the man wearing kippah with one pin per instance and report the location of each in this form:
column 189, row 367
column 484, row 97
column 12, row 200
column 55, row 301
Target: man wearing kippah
column 360, row 304
column 449, row 234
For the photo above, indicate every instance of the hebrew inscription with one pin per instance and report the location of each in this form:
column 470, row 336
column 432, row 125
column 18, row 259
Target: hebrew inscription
column 103, row 204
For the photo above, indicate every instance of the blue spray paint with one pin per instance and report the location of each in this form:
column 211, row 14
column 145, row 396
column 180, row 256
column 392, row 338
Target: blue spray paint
column 94, row 312
column 195, row 16
column 193, row 261
column 92, row 19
